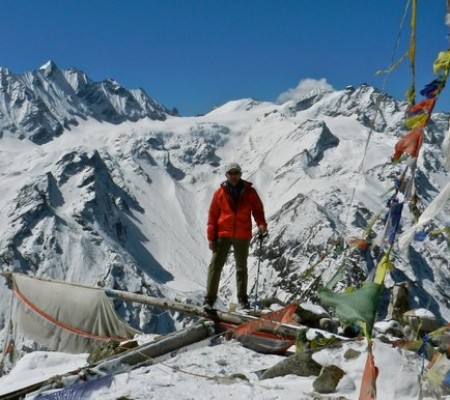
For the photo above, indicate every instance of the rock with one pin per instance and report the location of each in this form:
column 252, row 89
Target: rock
column 267, row 302
column 346, row 385
column 109, row 349
column 328, row 379
column 102, row 351
column 329, row 325
column 442, row 340
column 350, row 331
column 238, row 375
column 389, row 328
column 310, row 314
column 383, row 338
column 434, row 383
column 301, row 364
column 399, row 302
column 351, row 354
column 421, row 320
column 127, row 345
column 409, row 333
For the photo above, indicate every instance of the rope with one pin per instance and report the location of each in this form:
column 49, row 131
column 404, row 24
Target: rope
column 412, row 54
column 379, row 102
column 411, row 94
column 217, row 378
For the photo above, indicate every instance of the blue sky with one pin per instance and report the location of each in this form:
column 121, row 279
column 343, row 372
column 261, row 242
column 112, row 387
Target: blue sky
column 195, row 54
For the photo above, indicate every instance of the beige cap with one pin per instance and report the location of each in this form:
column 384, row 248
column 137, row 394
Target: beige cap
column 233, row 166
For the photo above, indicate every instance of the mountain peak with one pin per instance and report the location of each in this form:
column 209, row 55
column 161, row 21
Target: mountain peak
column 48, row 67
column 52, row 100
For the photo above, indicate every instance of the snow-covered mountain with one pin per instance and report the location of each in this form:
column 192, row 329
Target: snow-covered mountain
column 101, row 185
column 42, row 104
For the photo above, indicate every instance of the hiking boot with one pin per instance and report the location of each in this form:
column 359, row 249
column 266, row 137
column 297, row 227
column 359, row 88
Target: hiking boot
column 208, row 307
column 245, row 305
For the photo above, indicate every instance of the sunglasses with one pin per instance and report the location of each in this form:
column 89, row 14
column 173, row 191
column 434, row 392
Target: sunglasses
column 234, row 172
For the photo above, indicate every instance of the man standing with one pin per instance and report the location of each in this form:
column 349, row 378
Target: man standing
column 230, row 224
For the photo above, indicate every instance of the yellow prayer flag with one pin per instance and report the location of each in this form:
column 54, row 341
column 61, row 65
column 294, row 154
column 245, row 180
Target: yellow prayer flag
column 382, row 267
column 417, row 121
column 442, row 63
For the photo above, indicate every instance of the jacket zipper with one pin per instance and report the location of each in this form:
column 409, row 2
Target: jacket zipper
column 235, row 212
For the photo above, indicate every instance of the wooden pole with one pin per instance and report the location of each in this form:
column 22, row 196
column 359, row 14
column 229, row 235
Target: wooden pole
column 146, row 354
column 283, row 330
column 170, row 343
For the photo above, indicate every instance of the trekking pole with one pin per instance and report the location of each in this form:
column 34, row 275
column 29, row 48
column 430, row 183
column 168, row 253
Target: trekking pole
column 260, row 238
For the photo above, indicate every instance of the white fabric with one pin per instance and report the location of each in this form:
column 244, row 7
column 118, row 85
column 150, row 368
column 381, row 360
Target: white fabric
column 429, row 213
column 446, row 150
column 83, row 317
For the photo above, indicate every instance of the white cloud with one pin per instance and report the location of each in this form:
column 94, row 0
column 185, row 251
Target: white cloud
column 304, row 87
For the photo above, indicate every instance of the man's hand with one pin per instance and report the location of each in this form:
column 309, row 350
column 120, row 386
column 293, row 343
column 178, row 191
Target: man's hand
column 262, row 231
column 212, row 245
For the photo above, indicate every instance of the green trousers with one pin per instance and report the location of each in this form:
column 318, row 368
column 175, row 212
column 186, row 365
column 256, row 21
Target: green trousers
column 219, row 257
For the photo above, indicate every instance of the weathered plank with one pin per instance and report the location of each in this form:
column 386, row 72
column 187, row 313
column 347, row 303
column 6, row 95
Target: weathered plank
column 283, row 330
column 146, row 353
column 164, row 345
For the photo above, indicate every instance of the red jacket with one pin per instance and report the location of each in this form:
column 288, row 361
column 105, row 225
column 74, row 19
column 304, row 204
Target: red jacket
column 225, row 220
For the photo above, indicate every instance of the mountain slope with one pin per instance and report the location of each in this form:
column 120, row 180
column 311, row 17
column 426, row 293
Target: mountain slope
column 40, row 105
column 124, row 205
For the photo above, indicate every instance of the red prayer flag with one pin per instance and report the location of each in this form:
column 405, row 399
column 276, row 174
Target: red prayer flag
column 409, row 144
column 368, row 384
column 358, row 243
column 271, row 319
column 425, row 105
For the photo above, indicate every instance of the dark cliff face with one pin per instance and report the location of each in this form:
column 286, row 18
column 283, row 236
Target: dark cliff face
column 40, row 105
